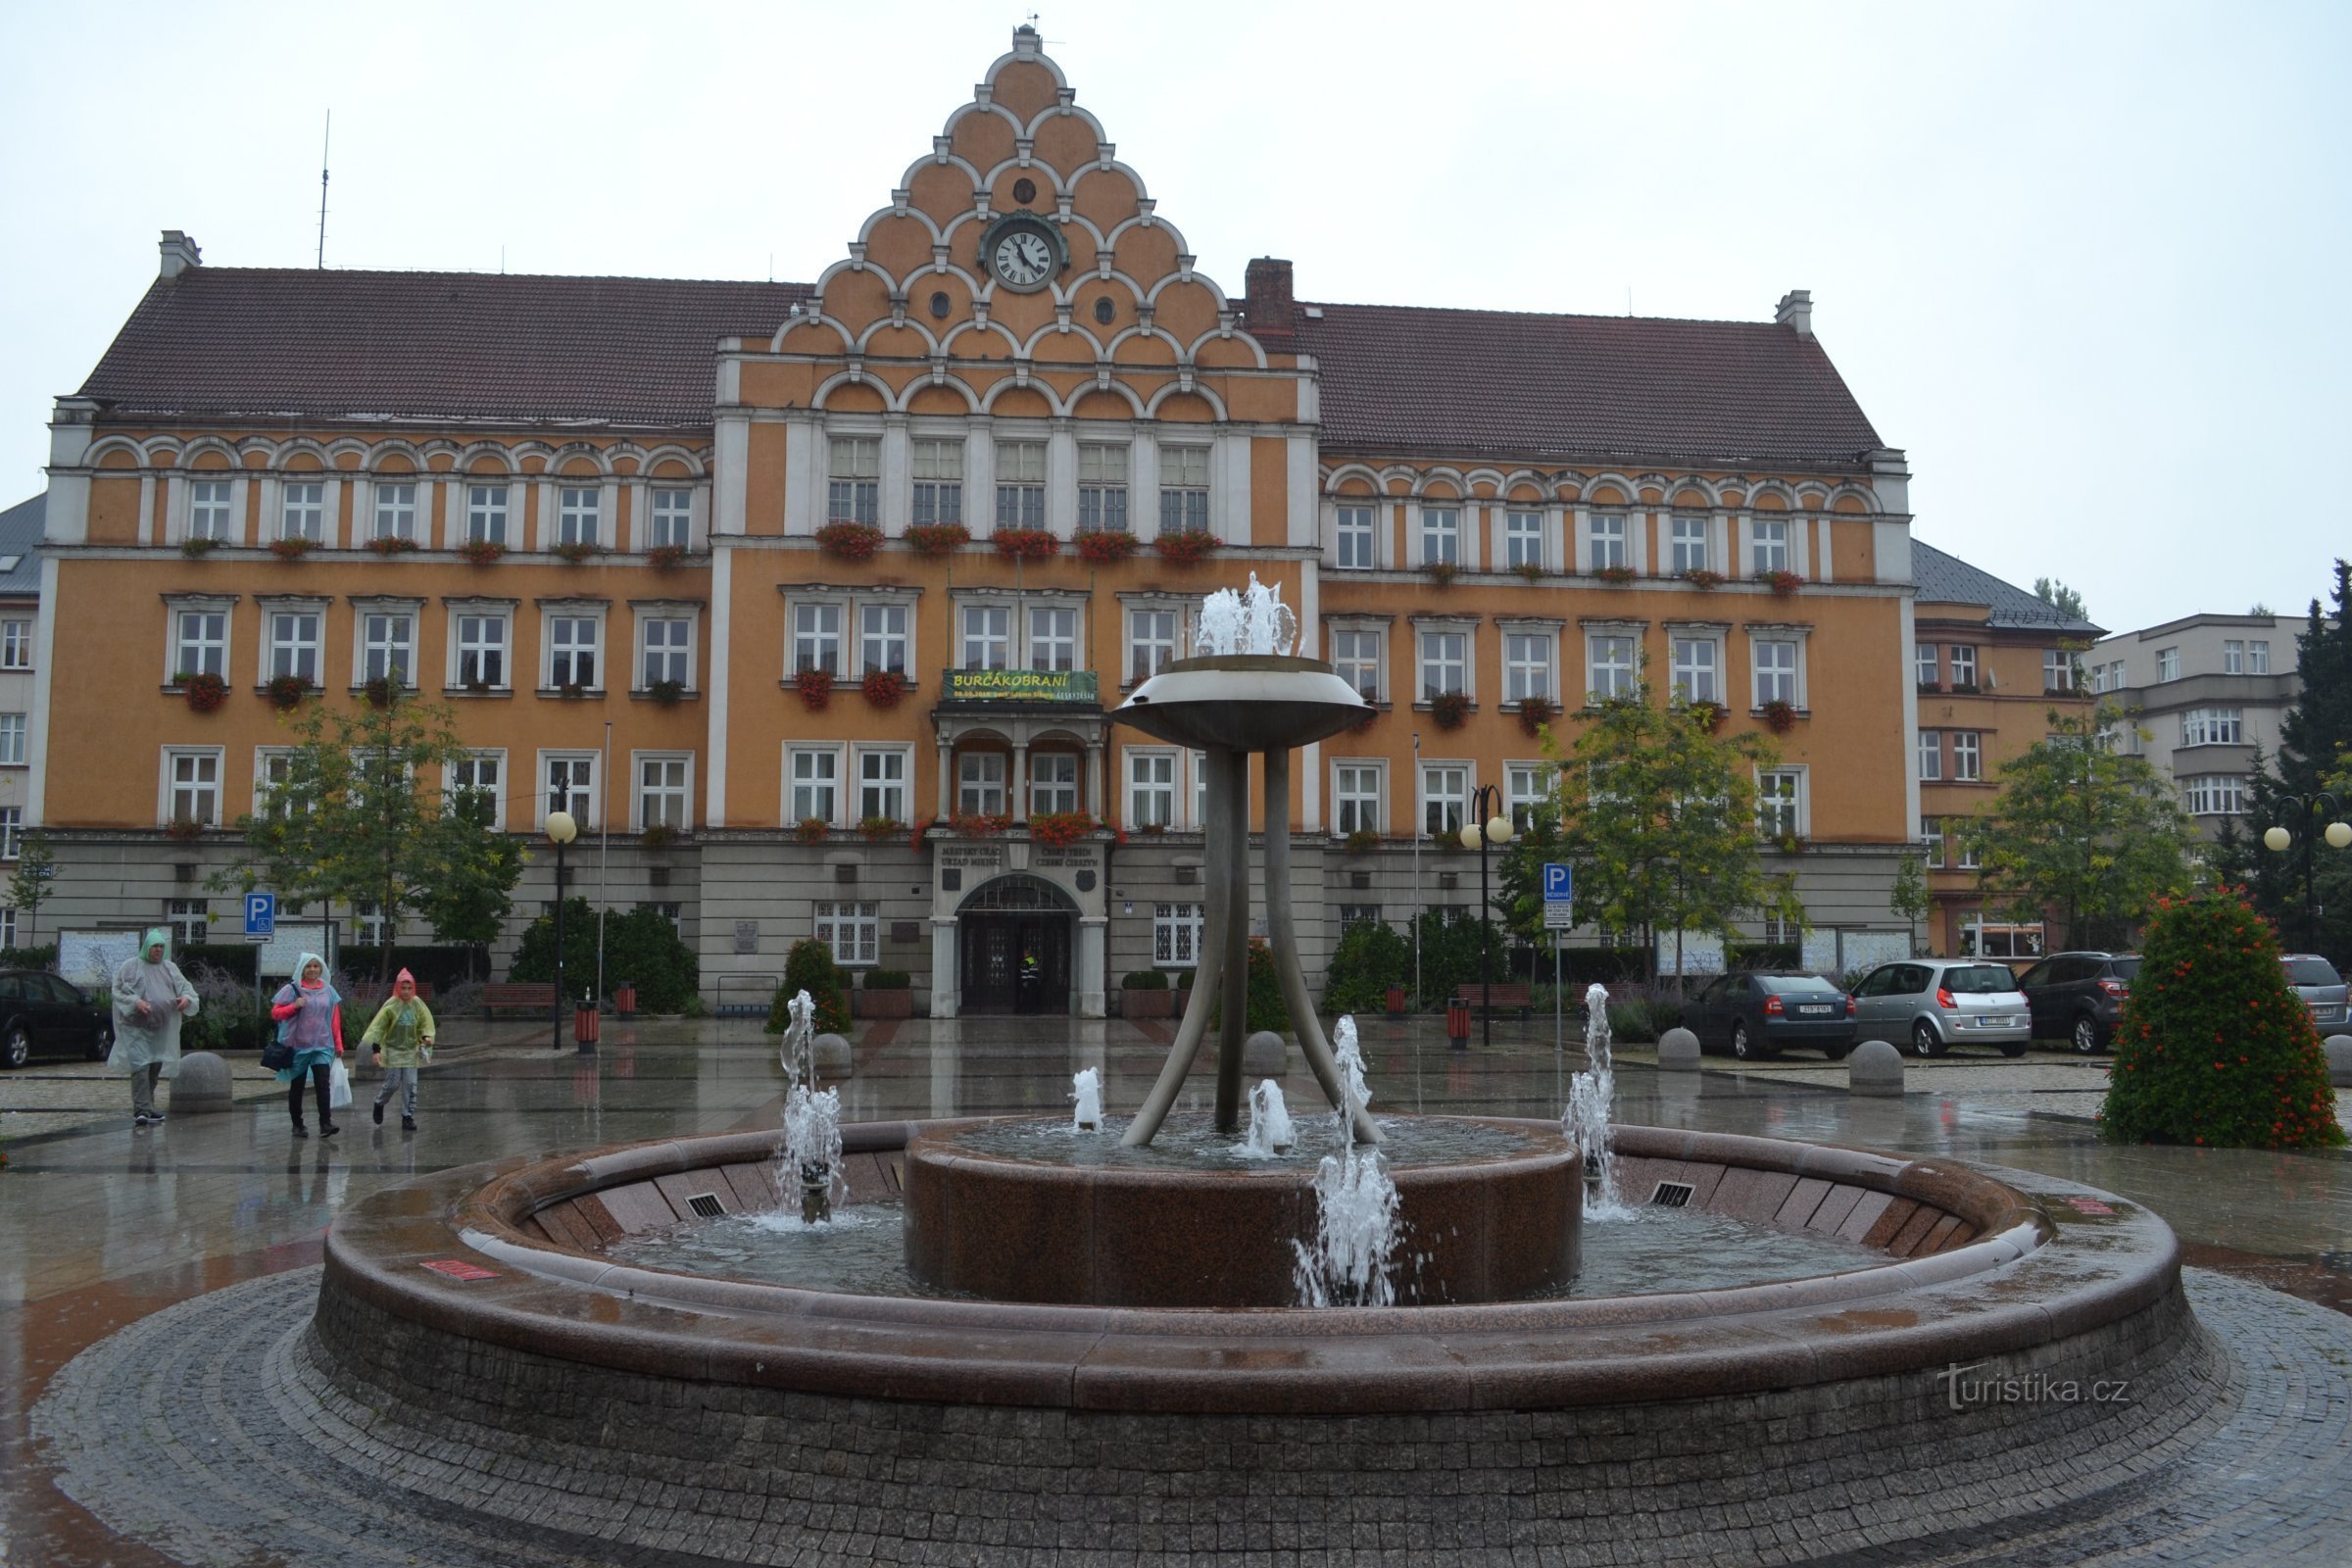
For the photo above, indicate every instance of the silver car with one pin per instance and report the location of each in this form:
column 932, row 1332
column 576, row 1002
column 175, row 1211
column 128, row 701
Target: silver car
column 1929, row 1006
column 2321, row 988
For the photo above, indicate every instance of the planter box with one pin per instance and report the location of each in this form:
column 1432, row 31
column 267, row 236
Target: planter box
column 1145, row 1003
column 882, row 1003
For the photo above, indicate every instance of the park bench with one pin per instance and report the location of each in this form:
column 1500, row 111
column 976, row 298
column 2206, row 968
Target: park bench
column 1508, row 996
column 538, row 996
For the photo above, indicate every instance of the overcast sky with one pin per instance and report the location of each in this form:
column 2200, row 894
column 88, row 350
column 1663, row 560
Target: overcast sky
column 2084, row 263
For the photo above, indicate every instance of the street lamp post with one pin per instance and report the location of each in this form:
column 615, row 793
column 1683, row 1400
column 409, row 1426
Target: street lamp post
column 2278, row 839
column 1477, row 833
column 560, row 830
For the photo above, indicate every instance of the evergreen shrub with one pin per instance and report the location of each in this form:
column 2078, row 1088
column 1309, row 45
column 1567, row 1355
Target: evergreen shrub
column 1371, row 956
column 1266, row 1011
column 2213, row 1046
column 1144, row 980
column 809, row 967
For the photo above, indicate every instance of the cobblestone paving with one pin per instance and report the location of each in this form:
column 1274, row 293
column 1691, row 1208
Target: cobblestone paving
column 186, row 1431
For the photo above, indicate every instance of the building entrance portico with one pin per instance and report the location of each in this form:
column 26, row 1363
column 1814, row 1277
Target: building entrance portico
column 1015, row 939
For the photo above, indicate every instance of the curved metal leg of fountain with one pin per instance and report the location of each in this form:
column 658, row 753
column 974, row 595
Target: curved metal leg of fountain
column 1229, row 795
column 1282, row 936
column 1208, row 991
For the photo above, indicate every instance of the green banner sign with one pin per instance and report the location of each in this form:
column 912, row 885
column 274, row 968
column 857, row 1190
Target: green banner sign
column 1021, row 685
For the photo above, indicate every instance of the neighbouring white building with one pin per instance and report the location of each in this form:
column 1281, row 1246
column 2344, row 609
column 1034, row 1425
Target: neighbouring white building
column 2207, row 692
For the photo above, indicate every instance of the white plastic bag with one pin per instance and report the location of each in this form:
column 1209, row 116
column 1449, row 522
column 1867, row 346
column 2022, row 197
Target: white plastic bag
column 338, row 1092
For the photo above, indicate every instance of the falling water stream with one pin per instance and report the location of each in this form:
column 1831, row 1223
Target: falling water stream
column 1586, row 1120
column 812, row 1121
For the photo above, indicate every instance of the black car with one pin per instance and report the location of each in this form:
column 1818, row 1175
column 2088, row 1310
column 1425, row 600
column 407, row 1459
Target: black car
column 2078, row 995
column 1757, row 1013
column 43, row 1014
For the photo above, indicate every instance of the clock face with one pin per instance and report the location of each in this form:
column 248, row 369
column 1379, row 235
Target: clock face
column 1024, row 258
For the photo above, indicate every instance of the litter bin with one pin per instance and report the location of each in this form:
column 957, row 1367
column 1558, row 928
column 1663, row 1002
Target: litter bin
column 1395, row 1001
column 586, row 1025
column 624, row 999
column 1457, row 1024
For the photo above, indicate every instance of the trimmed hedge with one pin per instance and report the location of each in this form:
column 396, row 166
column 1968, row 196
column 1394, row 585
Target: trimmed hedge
column 1144, row 980
column 886, row 980
column 641, row 947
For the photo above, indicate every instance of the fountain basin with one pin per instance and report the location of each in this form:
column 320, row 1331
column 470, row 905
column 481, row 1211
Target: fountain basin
column 1244, row 703
column 1495, row 1227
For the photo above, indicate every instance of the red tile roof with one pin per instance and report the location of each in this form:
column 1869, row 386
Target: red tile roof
column 1599, row 389
column 424, row 346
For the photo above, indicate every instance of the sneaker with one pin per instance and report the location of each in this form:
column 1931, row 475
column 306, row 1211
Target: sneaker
column 144, row 1118
column 408, row 1124
column 329, row 1129
column 378, row 1110
column 300, row 1130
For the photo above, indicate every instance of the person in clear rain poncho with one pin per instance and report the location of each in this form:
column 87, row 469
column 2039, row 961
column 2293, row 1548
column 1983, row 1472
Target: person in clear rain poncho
column 151, row 997
column 310, row 1019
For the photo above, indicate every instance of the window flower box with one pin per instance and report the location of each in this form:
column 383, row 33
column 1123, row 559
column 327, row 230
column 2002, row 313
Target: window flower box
column 1363, row 841
column 481, row 552
column 381, row 692
column 658, row 835
column 850, row 541
column 1449, row 708
column 293, row 548
column 578, row 551
column 285, row 690
column 1618, row 577
column 1025, row 544
column 813, row 830
column 1780, row 716
column 973, row 825
column 880, row 829
column 1534, row 712
column 1188, row 548
column 1528, row 571
column 204, row 692
column 197, row 548
column 816, row 687
column 937, row 538
column 391, row 544
column 1783, row 583
column 1058, row 831
column 1441, row 572
column 1703, row 579
column 667, row 693
column 571, row 691
column 1105, row 547
column 1708, row 716
column 184, row 829
column 884, row 687
column 1966, row 688
column 665, row 558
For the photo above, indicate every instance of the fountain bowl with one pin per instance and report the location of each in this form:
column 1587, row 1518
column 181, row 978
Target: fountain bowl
column 1244, row 703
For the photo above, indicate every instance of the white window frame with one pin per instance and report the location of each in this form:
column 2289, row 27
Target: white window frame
column 210, row 515
column 1608, row 541
column 1156, row 760
column 1625, row 675
column 1073, row 786
column 1352, row 662
column 393, row 507
column 12, row 741
column 902, row 786
column 817, row 634
column 1993, row 938
column 1104, row 469
column 1968, row 757
column 169, row 782
column 938, row 464
column 1795, row 639
column 595, row 615
column 1434, row 659
column 592, row 792
column 851, row 929
column 493, row 758
column 271, row 763
column 302, row 510
column 675, row 653
column 1427, row 795
column 1771, row 544
column 1185, row 471
column 2233, row 656
column 833, row 776
column 1360, row 795
column 1781, row 806
column 1440, row 534
column 1926, row 665
column 1148, row 651
column 489, row 512
column 177, row 645
column 853, row 479
column 1689, row 543
column 314, row 643
column 870, row 636
column 1021, row 501
column 1961, row 659
column 1529, row 663
column 673, row 764
column 365, row 645
column 1355, row 535
column 1523, row 539
column 1686, row 673
column 188, row 918
column 1931, row 833
column 2258, row 655
column 1930, row 756
column 669, row 516
column 1053, row 637
column 987, row 776
column 499, row 613
column 2167, row 664
column 580, row 513
column 1526, row 786
column 2060, row 671
column 990, row 638
column 1176, row 932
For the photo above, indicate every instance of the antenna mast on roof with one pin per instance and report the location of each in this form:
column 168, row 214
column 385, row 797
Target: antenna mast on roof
column 324, row 142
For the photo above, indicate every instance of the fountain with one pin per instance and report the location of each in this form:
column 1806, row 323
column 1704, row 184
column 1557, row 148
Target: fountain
column 811, row 1149
column 1586, row 1120
column 1086, row 1100
column 1270, row 1131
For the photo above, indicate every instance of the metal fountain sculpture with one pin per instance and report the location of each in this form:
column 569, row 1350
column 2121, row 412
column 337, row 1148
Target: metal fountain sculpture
column 1244, row 693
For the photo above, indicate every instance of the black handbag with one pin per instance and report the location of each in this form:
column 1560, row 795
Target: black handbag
column 278, row 1056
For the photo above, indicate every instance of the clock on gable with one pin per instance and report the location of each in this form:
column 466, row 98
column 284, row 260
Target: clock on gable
column 1023, row 252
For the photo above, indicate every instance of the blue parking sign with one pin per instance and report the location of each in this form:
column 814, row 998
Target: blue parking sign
column 1559, row 883
column 261, row 914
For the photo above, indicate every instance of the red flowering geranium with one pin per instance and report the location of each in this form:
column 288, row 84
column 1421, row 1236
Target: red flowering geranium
column 1188, row 548
column 816, row 687
column 1026, row 544
column 850, row 541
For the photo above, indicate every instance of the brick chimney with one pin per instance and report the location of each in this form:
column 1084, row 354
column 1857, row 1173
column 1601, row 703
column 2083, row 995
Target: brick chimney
column 179, row 253
column 1797, row 309
column 1267, row 303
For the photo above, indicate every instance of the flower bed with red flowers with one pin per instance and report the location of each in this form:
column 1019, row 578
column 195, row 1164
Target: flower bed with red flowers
column 1781, row 582
column 1025, row 544
column 204, row 692
column 1060, row 829
column 850, row 541
column 1188, row 548
column 1780, row 716
column 816, row 687
column 884, row 687
column 937, row 538
column 1449, row 708
column 1103, row 547
column 1534, row 712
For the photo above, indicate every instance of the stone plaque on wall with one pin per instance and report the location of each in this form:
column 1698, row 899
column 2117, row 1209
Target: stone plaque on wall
column 906, row 933
column 988, row 856
column 746, row 936
column 1063, row 855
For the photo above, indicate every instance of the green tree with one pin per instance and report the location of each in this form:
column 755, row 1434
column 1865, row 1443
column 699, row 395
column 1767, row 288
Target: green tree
column 1658, row 816
column 2059, row 596
column 2314, row 736
column 640, row 947
column 1909, row 896
column 358, row 817
column 2083, row 828
column 1371, row 957
column 470, row 899
column 29, row 889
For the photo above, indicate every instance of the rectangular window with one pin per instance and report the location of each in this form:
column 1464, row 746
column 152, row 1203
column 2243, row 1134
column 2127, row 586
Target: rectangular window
column 1053, row 782
column 1688, row 542
column 2059, row 671
column 815, row 784
column 1357, row 798
column 674, row 913
column 12, row 740
column 1777, row 802
column 1696, row 663
column 1020, row 484
column 1526, row 665
column 396, row 512
column 387, row 647
column 1769, row 539
column 853, row 480
column 668, row 650
column 1963, row 656
column 2168, row 664
column 1052, row 639
column 1356, row 657
column 882, row 634
column 1930, row 755
column 486, row 514
column 1359, row 546
column 1776, row 672
column 1525, row 785
column 374, row 930
column 1523, row 539
column 192, row 792
column 1979, row 940
column 303, row 515
column 661, row 792
column 882, row 786
column 816, row 638
column 1928, row 672
column 980, row 783
column 1176, row 933
column 188, row 918
column 572, row 787
column 1444, row 798
column 579, row 515
column 1964, row 848
column 202, row 638
column 672, row 523
column 938, row 482
column 2215, row 795
column 853, row 931
column 481, row 651
column 207, row 509
column 1199, row 789
column 1356, row 914
column 2213, row 727
column 1609, row 668
column 1183, row 490
column 987, row 636
column 473, row 782
column 294, row 644
column 1101, row 488
column 2233, row 656
column 1151, row 642
column 2258, row 657
column 1930, row 829
column 1441, row 536
column 1445, row 663
column 1152, row 788
column 1608, row 542
column 1968, row 756
column 571, row 650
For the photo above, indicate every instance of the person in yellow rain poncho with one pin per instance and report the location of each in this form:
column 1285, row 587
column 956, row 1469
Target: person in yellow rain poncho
column 400, row 1034
column 151, row 997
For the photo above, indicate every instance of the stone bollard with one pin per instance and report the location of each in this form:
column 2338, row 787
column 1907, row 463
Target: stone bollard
column 1265, row 1055
column 1678, row 1051
column 1875, row 1068
column 202, row 1085
column 2340, row 1060
column 832, row 1055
